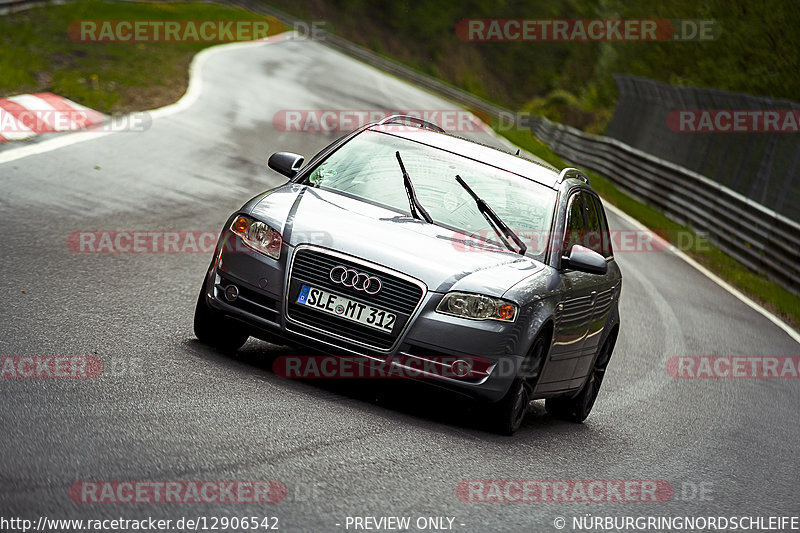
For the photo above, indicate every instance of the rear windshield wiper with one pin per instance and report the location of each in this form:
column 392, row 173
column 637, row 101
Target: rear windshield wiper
column 497, row 224
column 417, row 211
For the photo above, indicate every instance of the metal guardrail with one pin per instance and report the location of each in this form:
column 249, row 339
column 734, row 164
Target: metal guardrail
column 761, row 165
column 759, row 238
column 14, row 6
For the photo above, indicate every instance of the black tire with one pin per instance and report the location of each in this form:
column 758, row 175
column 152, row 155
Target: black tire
column 505, row 416
column 213, row 328
column 577, row 408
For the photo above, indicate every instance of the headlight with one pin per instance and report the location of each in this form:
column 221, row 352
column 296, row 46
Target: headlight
column 258, row 236
column 477, row 306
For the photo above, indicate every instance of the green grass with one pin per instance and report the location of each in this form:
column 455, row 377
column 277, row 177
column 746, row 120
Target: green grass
column 112, row 77
column 768, row 293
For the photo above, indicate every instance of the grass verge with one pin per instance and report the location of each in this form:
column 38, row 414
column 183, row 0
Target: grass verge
column 112, row 77
column 768, row 293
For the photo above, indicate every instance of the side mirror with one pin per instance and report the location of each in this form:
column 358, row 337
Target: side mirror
column 286, row 163
column 583, row 259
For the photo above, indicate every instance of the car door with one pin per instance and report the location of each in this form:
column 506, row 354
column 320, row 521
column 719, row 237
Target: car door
column 603, row 287
column 574, row 308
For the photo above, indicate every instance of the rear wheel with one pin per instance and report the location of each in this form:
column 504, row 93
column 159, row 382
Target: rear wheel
column 577, row 408
column 213, row 328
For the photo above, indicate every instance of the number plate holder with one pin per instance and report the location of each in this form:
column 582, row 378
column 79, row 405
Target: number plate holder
column 346, row 308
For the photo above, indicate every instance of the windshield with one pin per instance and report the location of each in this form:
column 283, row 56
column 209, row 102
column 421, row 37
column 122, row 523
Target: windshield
column 366, row 167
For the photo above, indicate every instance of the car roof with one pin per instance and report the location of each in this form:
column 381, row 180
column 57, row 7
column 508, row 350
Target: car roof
column 538, row 172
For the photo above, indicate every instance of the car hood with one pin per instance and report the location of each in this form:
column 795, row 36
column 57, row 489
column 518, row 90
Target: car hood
column 439, row 257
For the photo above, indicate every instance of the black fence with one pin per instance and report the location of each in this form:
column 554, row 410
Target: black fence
column 756, row 236
column 668, row 122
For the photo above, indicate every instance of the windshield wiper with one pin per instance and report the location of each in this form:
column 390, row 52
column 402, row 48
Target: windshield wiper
column 417, row 211
column 497, row 224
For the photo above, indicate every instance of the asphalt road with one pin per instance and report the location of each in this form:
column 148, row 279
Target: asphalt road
column 169, row 408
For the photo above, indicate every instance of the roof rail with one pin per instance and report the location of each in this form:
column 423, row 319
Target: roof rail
column 570, row 172
column 415, row 121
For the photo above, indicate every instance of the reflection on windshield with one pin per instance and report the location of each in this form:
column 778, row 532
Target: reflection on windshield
column 366, row 167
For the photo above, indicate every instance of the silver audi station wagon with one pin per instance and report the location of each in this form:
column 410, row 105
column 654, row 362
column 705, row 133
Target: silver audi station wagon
column 400, row 242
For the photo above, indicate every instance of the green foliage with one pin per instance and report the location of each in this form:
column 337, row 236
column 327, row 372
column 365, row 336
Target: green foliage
column 756, row 52
column 39, row 56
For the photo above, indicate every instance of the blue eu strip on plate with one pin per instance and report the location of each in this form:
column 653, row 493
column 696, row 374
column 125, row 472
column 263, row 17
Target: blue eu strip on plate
column 301, row 298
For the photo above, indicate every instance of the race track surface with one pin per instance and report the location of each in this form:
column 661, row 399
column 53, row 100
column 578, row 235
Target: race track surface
column 170, row 408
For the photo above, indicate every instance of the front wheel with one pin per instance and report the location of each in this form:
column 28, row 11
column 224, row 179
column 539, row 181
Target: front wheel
column 506, row 416
column 577, row 408
column 213, row 328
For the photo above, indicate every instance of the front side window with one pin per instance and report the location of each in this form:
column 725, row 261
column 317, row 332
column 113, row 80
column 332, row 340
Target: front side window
column 575, row 227
column 366, row 167
column 586, row 225
column 605, row 233
column 594, row 230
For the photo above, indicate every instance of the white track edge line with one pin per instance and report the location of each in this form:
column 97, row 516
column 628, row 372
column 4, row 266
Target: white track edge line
column 192, row 94
column 710, row 275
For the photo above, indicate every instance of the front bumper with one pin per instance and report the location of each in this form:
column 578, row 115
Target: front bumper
column 262, row 304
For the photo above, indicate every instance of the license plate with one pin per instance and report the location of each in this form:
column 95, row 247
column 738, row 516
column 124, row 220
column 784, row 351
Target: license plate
column 341, row 306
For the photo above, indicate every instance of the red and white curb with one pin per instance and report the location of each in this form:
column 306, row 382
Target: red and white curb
column 28, row 115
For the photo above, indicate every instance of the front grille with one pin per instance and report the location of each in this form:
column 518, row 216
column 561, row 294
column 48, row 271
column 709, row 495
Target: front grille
column 397, row 295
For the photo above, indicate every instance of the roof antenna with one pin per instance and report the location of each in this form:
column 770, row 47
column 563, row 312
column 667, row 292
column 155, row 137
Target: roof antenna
column 517, row 152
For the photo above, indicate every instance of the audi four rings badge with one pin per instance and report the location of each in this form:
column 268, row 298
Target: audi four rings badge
column 357, row 280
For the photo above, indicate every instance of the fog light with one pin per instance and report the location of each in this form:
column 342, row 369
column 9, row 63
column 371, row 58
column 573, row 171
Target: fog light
column 231, row 293
column 461, row 368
